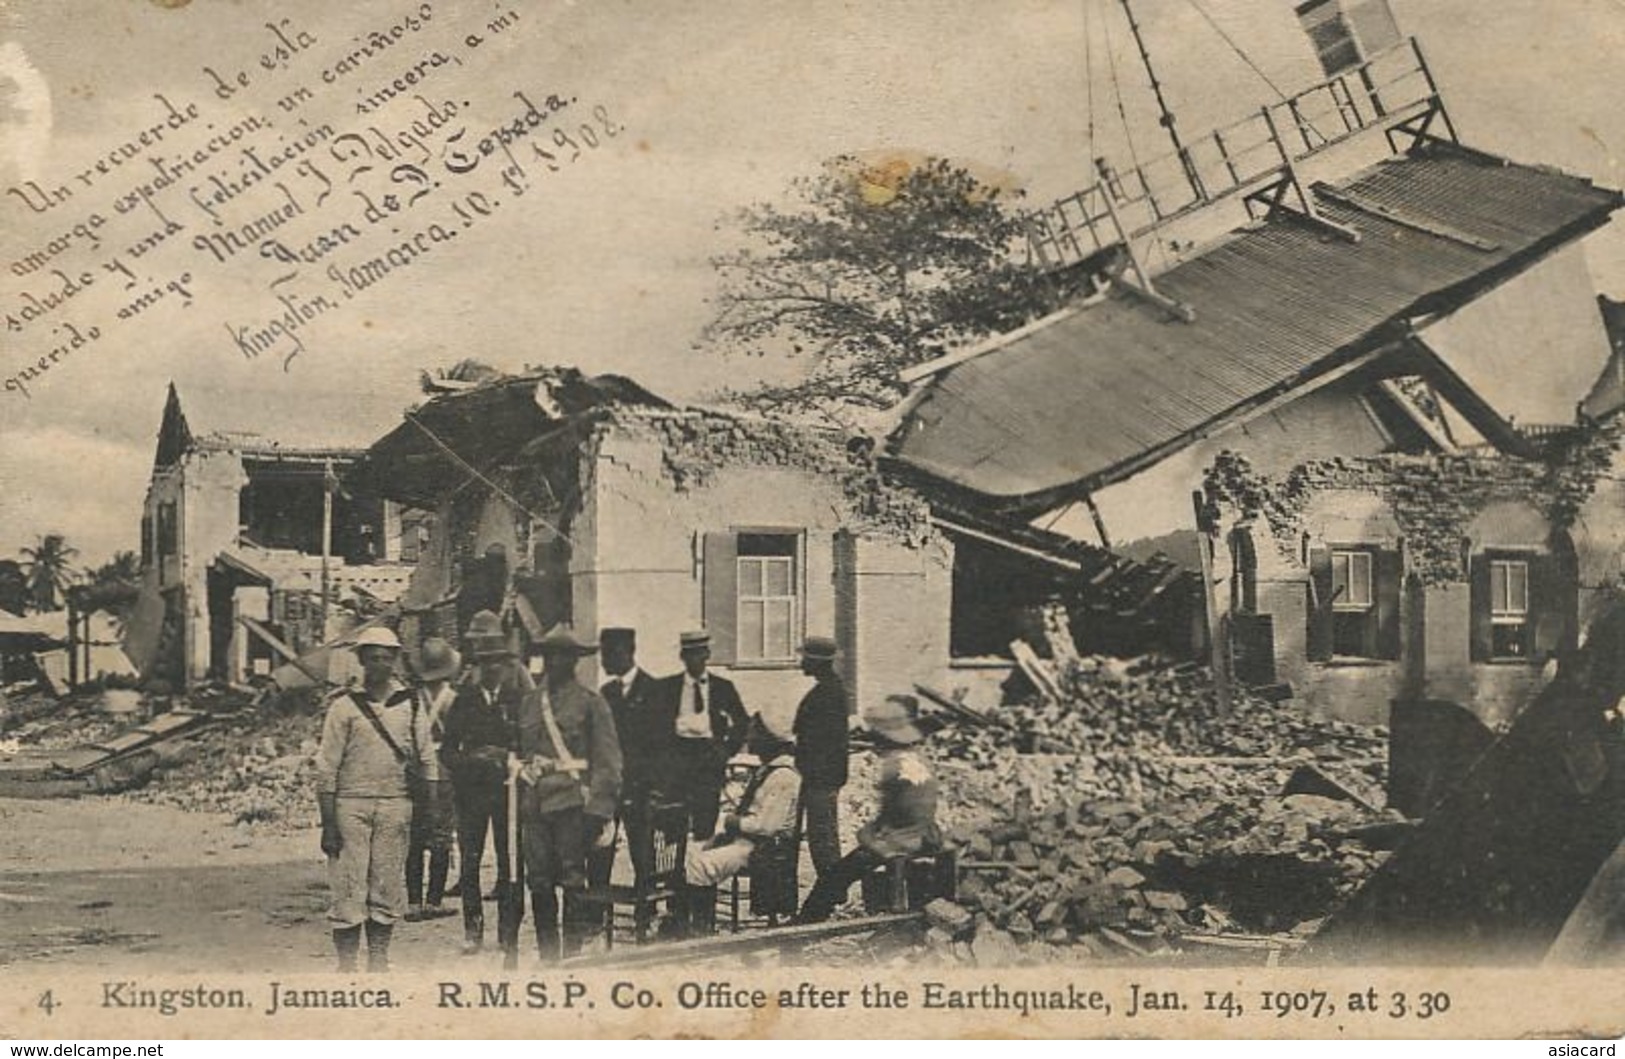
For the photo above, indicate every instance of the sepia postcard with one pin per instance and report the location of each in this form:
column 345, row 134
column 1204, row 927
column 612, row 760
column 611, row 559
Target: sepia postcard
column 940, row 518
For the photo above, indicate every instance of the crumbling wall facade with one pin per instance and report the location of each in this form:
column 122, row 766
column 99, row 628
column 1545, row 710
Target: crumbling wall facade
column 189, row 517
column 671, row 501
column 1449, row 577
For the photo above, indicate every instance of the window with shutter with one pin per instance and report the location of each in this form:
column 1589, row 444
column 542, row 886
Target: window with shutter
column 1320, row 604
column 719, row 595
column 1354, row 602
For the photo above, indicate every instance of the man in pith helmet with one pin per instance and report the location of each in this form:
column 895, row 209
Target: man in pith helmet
column 374, row 748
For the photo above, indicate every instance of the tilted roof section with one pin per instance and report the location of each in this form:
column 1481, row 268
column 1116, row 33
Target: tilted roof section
column 453, row 437
column 1105, row 390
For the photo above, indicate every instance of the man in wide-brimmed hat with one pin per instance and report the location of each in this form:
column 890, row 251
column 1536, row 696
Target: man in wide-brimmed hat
column 705, row 722
column 821, row 750
column 434, row 825
column 906, row 822
column 479, row 734
column 372, row 743
column 570, row 777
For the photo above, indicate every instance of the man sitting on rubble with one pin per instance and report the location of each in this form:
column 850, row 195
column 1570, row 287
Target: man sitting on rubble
column 767, row 813
column 906, row 823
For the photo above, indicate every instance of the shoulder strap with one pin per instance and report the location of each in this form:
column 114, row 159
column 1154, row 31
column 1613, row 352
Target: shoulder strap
column 561, row 753
column 371, row 715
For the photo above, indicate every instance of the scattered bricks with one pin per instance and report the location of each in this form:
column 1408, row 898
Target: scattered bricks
column 1124, row 877
column 1020, row 927
column 1165, row 901
column 952, row 919
column 1023, row 855
column 938, row 940
column 1050, row 915
column 994, row 948
column 1057, row 936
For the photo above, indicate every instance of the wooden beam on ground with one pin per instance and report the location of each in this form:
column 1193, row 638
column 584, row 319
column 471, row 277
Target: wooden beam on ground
column 275, row 643
column 1036, row 670
column 725, row 944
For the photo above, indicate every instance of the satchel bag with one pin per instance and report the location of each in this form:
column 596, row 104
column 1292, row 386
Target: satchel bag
column 417, row 784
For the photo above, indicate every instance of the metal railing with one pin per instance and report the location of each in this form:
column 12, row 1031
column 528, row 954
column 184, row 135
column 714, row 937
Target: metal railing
column 1390, row 89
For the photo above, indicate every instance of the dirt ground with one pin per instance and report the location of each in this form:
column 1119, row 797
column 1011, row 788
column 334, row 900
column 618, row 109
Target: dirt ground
column 85, row 881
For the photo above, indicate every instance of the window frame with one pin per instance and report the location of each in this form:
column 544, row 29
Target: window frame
column 760, row 656
column 1367, row 556
column 1504, row 620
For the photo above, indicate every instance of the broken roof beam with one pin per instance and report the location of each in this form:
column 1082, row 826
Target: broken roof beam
column 1478, row 412
column 1425, row 225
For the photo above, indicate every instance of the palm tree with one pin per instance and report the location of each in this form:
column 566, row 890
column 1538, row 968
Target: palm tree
column 124, row 567
column 48, row 571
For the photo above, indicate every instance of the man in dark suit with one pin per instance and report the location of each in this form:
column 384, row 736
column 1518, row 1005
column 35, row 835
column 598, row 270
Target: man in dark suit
column 821, row 750
column 479, row 735
column 705, row 724
column 643, row 735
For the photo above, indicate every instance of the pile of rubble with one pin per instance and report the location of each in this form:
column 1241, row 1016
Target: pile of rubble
column 256, row 767
column 1124, row 810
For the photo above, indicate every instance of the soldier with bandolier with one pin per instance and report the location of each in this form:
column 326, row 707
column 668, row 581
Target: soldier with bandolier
column 569, row 773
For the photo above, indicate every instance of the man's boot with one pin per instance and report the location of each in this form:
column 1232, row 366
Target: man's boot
column 544, row 906
column 702, row 911
column 378, row 936
column 439, row 868
column 347, row 944
column 473, row 929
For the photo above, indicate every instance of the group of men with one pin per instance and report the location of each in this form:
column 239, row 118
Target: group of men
column 404, row 768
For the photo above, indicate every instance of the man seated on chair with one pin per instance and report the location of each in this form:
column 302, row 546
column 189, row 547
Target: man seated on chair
column 906, row 823
column 767, row 812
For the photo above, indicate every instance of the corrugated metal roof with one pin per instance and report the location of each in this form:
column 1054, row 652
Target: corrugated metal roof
column 1275, row 304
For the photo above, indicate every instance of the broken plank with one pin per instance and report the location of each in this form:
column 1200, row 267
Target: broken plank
column 724, row 944
column 1243, row 941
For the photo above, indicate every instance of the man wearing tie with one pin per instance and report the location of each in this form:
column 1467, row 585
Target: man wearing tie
column 478, row 736
column 707, row 723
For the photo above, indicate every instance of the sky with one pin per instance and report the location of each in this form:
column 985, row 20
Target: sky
column 604, row 265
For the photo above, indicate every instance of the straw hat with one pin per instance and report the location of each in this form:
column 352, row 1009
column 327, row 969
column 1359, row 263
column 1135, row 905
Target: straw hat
column 486, row 639
column 378, row 636
column 438, row 660
column 893, row 720
column 821, row 648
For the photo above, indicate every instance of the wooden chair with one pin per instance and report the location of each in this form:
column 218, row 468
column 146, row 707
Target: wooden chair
column 662, row 844
column 773, row 886
column 908, row 884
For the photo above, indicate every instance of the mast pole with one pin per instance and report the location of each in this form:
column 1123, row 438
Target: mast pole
column 1166, row 118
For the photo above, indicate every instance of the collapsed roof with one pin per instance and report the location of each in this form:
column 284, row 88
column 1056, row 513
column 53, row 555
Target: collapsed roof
column 433, row 450
column 1096, row 393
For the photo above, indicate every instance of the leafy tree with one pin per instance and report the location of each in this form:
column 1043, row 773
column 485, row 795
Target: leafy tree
column 13, row 587
column 49, row 571
column 866, row 271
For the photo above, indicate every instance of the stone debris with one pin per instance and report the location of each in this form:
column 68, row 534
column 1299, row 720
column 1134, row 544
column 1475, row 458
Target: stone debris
column 1130, row 816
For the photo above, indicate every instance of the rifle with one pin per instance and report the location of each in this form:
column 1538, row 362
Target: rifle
column 511, row 894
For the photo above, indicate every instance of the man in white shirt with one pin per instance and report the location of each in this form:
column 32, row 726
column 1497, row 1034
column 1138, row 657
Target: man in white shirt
column 707, row 722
